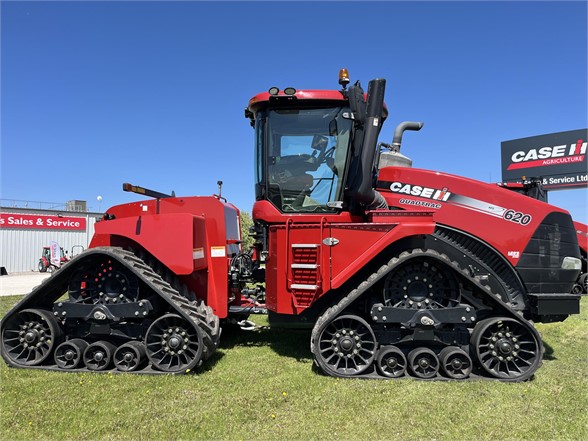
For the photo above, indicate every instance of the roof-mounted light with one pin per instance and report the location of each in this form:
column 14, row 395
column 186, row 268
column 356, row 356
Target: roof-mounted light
column 289, row 91
column 343, row 77
column 274, row 91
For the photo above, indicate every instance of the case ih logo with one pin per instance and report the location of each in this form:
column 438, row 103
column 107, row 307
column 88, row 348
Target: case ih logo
column 545, row 156
column 423, row 192
column 558, row 160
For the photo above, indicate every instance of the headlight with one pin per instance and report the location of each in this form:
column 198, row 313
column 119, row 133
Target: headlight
column 571, row 263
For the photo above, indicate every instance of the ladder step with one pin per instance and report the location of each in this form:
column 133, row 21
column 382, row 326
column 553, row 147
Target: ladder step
column 304, row 266
column 306, row 287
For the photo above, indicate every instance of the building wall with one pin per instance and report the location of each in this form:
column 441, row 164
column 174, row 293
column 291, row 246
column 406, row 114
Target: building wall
column 20, row 248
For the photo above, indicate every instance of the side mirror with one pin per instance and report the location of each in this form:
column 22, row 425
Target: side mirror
column 319, row 142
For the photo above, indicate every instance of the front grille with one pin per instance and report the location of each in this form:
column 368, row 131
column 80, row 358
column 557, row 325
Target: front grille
column 540, row 263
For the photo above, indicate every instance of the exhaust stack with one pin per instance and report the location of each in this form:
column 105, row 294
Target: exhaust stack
column 390, row 155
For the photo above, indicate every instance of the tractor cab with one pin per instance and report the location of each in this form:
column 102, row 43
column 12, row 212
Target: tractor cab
column 301, row 157
column 308, row 146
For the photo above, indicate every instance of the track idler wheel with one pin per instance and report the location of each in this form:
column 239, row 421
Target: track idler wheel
column 30, row 336
column 346, row 346
column 506, row 349
column 456, row 363
column 130, row 356
column 423, row 363
column 391, row 362
column 173, row 344
column 69, row 354
column 98, row 356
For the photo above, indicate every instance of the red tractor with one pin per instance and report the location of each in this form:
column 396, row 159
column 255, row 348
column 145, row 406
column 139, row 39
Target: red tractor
column 45, row 264
column 397, row 271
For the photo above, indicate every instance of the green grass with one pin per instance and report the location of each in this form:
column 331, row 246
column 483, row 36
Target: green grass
column 261, row 386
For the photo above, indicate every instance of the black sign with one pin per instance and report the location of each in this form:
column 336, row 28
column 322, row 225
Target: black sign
column 559, row 160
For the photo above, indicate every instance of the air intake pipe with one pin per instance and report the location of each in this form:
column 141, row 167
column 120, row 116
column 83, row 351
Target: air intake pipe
column 363, row 192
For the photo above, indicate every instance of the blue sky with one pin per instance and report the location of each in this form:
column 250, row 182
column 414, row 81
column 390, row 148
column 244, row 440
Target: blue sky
column 152, row 93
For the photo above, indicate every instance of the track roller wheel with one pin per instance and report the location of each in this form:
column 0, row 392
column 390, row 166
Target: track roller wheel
column 456, row 363
column 346, row 346
column 69, row 354
column 130, row 356
column 173, row 344
column 423, row 362
column 391, row 362
column 98, row 356
column 29, row 337
column 506, row 349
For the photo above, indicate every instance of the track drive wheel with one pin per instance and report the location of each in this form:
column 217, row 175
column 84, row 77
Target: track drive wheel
column 346, row 346
column 421, row 283
column 391, row 362
column 173, row 344
column 69, row 354
column 506, row 349
column 29, row 337
column 103, row 282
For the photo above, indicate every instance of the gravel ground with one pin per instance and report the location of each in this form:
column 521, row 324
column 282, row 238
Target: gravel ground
column 20, row 283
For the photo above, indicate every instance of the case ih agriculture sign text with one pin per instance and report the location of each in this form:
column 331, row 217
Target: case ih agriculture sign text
column 557, row 159
column 38, row 221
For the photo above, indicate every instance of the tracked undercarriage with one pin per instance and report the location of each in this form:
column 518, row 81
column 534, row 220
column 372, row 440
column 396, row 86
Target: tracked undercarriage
column 109, row 310
column 432, row 320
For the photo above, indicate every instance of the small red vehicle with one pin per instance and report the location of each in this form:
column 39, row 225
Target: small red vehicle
column 45, row 264
column 397, row 271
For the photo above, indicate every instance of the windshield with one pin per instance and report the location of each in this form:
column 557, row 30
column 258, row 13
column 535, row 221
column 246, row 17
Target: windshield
column 301, row 158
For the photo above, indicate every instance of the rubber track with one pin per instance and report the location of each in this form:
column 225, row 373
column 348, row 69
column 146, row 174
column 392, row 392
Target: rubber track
column 486, row 258
column 195, row 311
column 336, row 310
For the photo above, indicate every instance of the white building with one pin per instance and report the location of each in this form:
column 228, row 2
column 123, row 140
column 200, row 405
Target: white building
column 25, row 231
